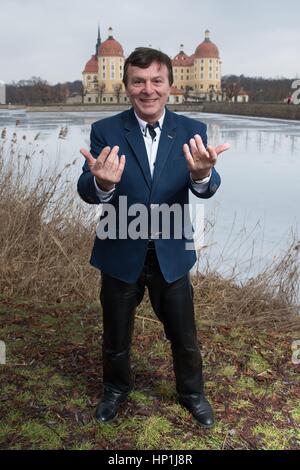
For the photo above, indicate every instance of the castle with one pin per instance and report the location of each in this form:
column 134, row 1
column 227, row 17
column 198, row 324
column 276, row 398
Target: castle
column 196, row 77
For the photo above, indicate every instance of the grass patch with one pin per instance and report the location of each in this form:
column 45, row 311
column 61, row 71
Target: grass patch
column 247, row 385
column 152, row 431
column 165, row 389
column 43, row 436
column 228, row 371
column 295, row 411
column 140, row 398
column 257, row 363
column 50, row 401
column 271, row 437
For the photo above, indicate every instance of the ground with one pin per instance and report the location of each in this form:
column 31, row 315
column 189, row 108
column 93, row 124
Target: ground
column 51, row 383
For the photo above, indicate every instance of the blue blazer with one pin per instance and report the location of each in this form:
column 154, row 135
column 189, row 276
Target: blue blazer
column 124, row 258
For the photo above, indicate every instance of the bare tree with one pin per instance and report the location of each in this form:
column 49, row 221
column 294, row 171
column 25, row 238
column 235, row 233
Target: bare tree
column 186, row 92
column 36, row 91
column 232, row 90
column 118, row 89
column 101, row 89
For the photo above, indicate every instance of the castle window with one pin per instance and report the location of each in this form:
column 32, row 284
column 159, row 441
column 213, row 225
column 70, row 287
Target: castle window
column 104, row 99
column 111, row 99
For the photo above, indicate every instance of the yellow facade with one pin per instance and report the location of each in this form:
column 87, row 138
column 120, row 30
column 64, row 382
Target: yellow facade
column 198, row 77
column 102, row 76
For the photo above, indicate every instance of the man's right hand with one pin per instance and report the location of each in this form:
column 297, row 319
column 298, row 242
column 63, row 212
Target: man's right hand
column 107, row 168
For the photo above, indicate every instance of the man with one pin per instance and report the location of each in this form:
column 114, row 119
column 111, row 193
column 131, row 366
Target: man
column 162, row 156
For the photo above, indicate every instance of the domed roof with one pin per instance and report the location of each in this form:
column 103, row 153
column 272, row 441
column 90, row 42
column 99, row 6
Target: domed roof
column 110, row 47
column 182, row 59
column 92, row 65
column 207, row 49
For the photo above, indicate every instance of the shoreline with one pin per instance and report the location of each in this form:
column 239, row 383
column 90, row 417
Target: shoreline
column 263, row 110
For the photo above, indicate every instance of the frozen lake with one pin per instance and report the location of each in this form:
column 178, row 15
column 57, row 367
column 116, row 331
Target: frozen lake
column 257, row 205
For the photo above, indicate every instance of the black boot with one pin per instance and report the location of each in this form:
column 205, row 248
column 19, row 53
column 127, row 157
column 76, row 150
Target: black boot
column 187, row 363
column 200, row 409
column 108, row 408
column 118, row 381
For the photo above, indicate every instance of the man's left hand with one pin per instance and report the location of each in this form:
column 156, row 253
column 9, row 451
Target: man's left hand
column 200, row 160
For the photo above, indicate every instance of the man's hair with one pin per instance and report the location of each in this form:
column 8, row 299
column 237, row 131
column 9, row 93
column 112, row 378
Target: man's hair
column 143, row 57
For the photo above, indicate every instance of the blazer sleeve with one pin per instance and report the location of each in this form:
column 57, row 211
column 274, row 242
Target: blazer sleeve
column 215, row 179
column 85, row 185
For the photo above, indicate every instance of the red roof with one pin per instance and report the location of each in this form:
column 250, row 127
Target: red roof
column 111, row 48
column 207, row 50
column 175, row 91
column 242, row 92
column 181, row 60
column 92, row 65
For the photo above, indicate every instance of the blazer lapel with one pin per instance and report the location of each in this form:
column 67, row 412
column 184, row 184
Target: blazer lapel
column 166, row 143
column 136, row 141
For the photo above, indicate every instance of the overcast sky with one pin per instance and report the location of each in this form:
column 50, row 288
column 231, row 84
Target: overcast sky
column 54, row 39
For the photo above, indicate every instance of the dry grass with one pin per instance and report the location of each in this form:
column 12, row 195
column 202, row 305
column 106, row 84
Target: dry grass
column 45, row 245
column 46, row 240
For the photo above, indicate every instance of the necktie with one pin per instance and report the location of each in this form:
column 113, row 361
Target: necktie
column 151, row 130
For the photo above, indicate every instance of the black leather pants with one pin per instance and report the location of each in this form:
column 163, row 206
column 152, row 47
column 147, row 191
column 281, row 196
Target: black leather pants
column 173, row 305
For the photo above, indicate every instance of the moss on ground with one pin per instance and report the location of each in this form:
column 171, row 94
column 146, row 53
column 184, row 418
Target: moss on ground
column 51, row 384
column 152, row 432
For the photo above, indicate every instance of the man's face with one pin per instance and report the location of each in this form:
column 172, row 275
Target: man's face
column 148, row 90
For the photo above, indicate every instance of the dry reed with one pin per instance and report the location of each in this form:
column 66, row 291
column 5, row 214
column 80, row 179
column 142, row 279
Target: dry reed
column 44, row 242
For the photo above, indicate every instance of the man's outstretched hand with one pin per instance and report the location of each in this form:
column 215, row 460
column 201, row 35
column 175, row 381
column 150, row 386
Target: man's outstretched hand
column 107, row 168
column 200, row 160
